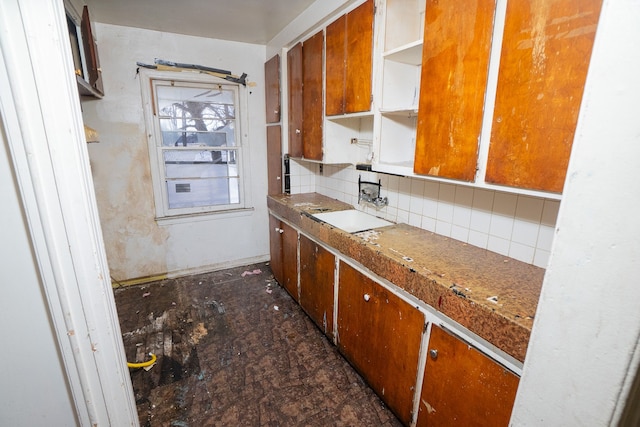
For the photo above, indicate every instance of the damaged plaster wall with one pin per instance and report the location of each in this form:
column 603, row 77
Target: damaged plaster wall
column 136, row 245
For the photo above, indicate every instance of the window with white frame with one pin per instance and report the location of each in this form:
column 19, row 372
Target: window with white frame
column 196, row 147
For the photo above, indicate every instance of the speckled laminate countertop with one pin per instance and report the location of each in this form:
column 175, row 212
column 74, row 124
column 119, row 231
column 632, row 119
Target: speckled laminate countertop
column 492, row 295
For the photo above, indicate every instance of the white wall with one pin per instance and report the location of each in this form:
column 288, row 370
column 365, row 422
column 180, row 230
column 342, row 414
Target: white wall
column 63, row 361
column 31, row 368
column 136, row 245
column 584, row 348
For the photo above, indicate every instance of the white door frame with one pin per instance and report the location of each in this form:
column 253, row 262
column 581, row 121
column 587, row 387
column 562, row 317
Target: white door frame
column 40, row 111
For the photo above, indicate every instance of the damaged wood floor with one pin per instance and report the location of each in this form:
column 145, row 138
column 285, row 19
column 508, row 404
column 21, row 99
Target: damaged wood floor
column 234, row 349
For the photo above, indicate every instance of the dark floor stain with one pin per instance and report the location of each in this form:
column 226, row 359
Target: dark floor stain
column 228, row 357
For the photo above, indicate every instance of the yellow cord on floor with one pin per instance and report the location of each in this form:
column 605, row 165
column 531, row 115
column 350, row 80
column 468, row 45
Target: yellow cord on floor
column 143, row 364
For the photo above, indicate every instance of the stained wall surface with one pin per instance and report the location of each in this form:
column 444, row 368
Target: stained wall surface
column 137, row 246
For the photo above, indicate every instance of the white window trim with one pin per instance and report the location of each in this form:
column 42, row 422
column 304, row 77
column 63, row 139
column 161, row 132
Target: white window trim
column 164, row 216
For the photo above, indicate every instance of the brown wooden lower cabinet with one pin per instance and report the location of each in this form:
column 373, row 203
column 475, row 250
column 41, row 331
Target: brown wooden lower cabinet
column 380, row 335
column 463, row 387
column 283, row 241
column 317, row 268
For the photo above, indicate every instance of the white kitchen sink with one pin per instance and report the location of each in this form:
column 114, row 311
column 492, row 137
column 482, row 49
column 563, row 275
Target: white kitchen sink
column 352, row 220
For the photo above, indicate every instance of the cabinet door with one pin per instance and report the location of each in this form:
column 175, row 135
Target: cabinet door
column 463, row 386
column 91, row 53
column 284, row 255
column 335, row 54
column 272, row 89
column 349, row 61
column 455, row 65
column 290, row 260
column 312, row 62
column 317, row 268
column 359, row 46
column 274, row 159
column 294, row 73
column 380, row 335
column 543, row 67
column 275, row 249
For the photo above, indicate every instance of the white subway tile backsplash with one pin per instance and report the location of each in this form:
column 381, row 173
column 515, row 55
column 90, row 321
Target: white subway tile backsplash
column 545, row 237
column 447, row 193
column 404, row 200
column 480, row 221
column 479, row 239
column 496, row 244
column 416, row 205
column 521, row 252
column 525, row 232
column 417, row 188
column 393, row 183
column 483, row 200
column 541, row 258
column 529, row 208
column 415, row 219
column 443, row 228
column 464, row 196
column 462, row 216
column 403, row 216
column 518, row 226
column 505, row 204
column 393, row 198
column 550, row 212
column 428, row 224
column 445, row 211
column 431, row 190
column 391, row 214
column 460, row 233
column 501, row 226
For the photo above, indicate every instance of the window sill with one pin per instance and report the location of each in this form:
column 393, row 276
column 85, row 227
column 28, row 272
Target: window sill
column 205, row 216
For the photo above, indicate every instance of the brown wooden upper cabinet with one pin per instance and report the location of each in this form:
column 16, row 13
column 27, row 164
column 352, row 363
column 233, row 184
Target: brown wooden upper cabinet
column 304, row 71
column 349, row 61
column 274, row 159
column 86, row 63
column 312, row 65
column 295, row 114
column 463, row 387
column 543, row 67
column 272, row 89
column 455, row 64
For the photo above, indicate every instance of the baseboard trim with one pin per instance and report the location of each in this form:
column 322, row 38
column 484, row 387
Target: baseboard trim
column 189, row 271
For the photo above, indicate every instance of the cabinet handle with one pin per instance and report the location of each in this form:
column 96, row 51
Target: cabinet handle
column 433, row 353
column 367, row 297
column 297, row 131
column 279, row 230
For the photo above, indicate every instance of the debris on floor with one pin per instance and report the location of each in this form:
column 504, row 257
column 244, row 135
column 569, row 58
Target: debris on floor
column 248, row 273
column 232, row 364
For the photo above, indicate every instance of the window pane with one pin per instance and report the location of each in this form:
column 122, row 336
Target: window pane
column 200, row 164
column 189, row 193
column 176, row 159
column 217, row 94
column 198, row 144
column 221, row 137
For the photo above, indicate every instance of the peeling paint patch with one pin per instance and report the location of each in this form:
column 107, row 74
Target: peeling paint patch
column 430, row 409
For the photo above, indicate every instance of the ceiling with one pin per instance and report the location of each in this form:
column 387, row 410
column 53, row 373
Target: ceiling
column 250, row 21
